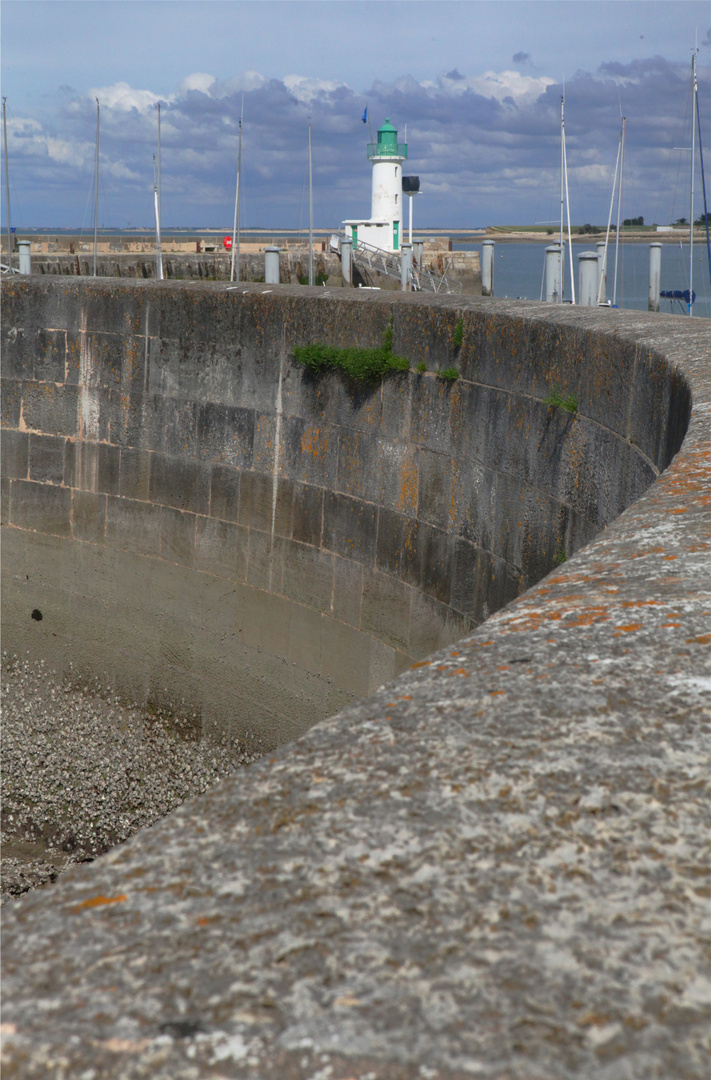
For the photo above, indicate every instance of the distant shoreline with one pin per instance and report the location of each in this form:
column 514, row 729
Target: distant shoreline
column 299, row 237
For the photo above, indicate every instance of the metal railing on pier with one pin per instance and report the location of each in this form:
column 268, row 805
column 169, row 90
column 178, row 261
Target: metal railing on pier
column 375, row 260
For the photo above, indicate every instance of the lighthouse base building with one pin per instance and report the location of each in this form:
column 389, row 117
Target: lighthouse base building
column 383, row 228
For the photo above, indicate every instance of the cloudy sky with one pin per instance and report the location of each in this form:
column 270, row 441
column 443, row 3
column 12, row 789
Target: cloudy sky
column 477, row 85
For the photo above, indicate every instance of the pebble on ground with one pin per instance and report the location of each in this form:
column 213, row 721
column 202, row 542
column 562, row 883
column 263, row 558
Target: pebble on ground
column 83, row 772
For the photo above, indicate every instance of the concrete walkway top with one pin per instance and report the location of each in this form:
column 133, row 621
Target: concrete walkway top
column 497, row 867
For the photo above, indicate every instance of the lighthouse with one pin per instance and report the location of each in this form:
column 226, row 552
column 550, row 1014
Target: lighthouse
column 382, row 228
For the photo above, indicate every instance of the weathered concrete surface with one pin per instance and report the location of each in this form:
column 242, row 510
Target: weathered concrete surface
column 204, row 266
column 498, row 866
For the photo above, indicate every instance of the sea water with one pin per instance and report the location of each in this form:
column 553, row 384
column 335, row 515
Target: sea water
column 518, row 273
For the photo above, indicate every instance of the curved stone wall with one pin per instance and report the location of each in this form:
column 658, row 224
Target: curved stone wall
column 496, row 866
column 193, row 513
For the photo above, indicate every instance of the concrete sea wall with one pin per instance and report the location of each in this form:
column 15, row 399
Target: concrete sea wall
column 462, row 267
column 496, row 865
column 193, row 513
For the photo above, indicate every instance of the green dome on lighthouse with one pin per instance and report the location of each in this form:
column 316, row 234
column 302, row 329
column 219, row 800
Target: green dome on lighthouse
column 387, row 145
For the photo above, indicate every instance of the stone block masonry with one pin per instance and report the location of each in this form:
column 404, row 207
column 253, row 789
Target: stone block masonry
column 496, row 865
column 171, row 423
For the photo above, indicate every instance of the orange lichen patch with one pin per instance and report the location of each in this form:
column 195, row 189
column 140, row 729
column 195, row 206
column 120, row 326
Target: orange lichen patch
column 461, row 671
column 504, row 667
column 205, row 920
column 407, row 496
column 99, row 901
column 641, row 603
column 406, row 697
column 703, row 639
column 679, row 510
column 588, row 617
column 629, row 629
column 454, row 654
column 495, row 693
column 420, row 663
column 665, row 625
column 648, row 551
column 668, row 558
column 314, row 442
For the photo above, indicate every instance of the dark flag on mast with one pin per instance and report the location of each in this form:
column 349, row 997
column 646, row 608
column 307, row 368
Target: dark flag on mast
column 364, row 117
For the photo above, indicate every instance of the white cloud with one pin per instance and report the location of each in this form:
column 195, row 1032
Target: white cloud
column 305, row 89
column 499, row 86
column 124, row 98
column 27, row 138
column 593, row 174
column 197, row 81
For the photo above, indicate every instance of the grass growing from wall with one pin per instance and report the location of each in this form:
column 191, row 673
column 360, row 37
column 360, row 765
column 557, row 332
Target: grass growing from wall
column 450, row 374
column 555, row 400
column 361, row 365
column 458, row 336
column 320, row 279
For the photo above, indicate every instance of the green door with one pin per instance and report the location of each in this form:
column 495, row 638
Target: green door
column 396, row 235
column 354, row 234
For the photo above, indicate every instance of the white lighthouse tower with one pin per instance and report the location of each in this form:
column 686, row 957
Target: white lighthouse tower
column 382, row 228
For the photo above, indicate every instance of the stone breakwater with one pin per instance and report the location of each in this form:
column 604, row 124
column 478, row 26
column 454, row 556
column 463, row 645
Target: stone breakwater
column 495, row 866
column 462, row 267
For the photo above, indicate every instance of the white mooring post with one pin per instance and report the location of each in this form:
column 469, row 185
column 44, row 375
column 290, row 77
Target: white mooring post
column 271, row 265
column 601, row 273
column 24, row 247
column 405, row 266
column 347, row 259
column 655, row 276
column 553, row 276
column 587, row 279
column 487, row 268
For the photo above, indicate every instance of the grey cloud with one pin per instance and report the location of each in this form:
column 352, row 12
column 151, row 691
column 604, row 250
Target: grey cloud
column 481, row 160
column 521, row 57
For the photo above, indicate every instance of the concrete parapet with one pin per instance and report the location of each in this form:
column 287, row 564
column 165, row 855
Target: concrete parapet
column 461, row 267
column 511, row 837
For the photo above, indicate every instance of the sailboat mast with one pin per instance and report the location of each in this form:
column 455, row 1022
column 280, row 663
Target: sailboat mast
column 562, row 201
column 156, row 206
column 311, row 216
column 96, row 191
column 609, row 216
column 703, row 179
column 156, row 195
column 7, row 187
column 619, row 210
column 693, row 174
column 567, row 205
column 235, row 225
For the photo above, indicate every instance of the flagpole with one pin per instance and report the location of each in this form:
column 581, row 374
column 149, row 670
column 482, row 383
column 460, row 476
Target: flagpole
column 7, row 188
column 96, row 188
column 311, row 217
column 235, row 238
